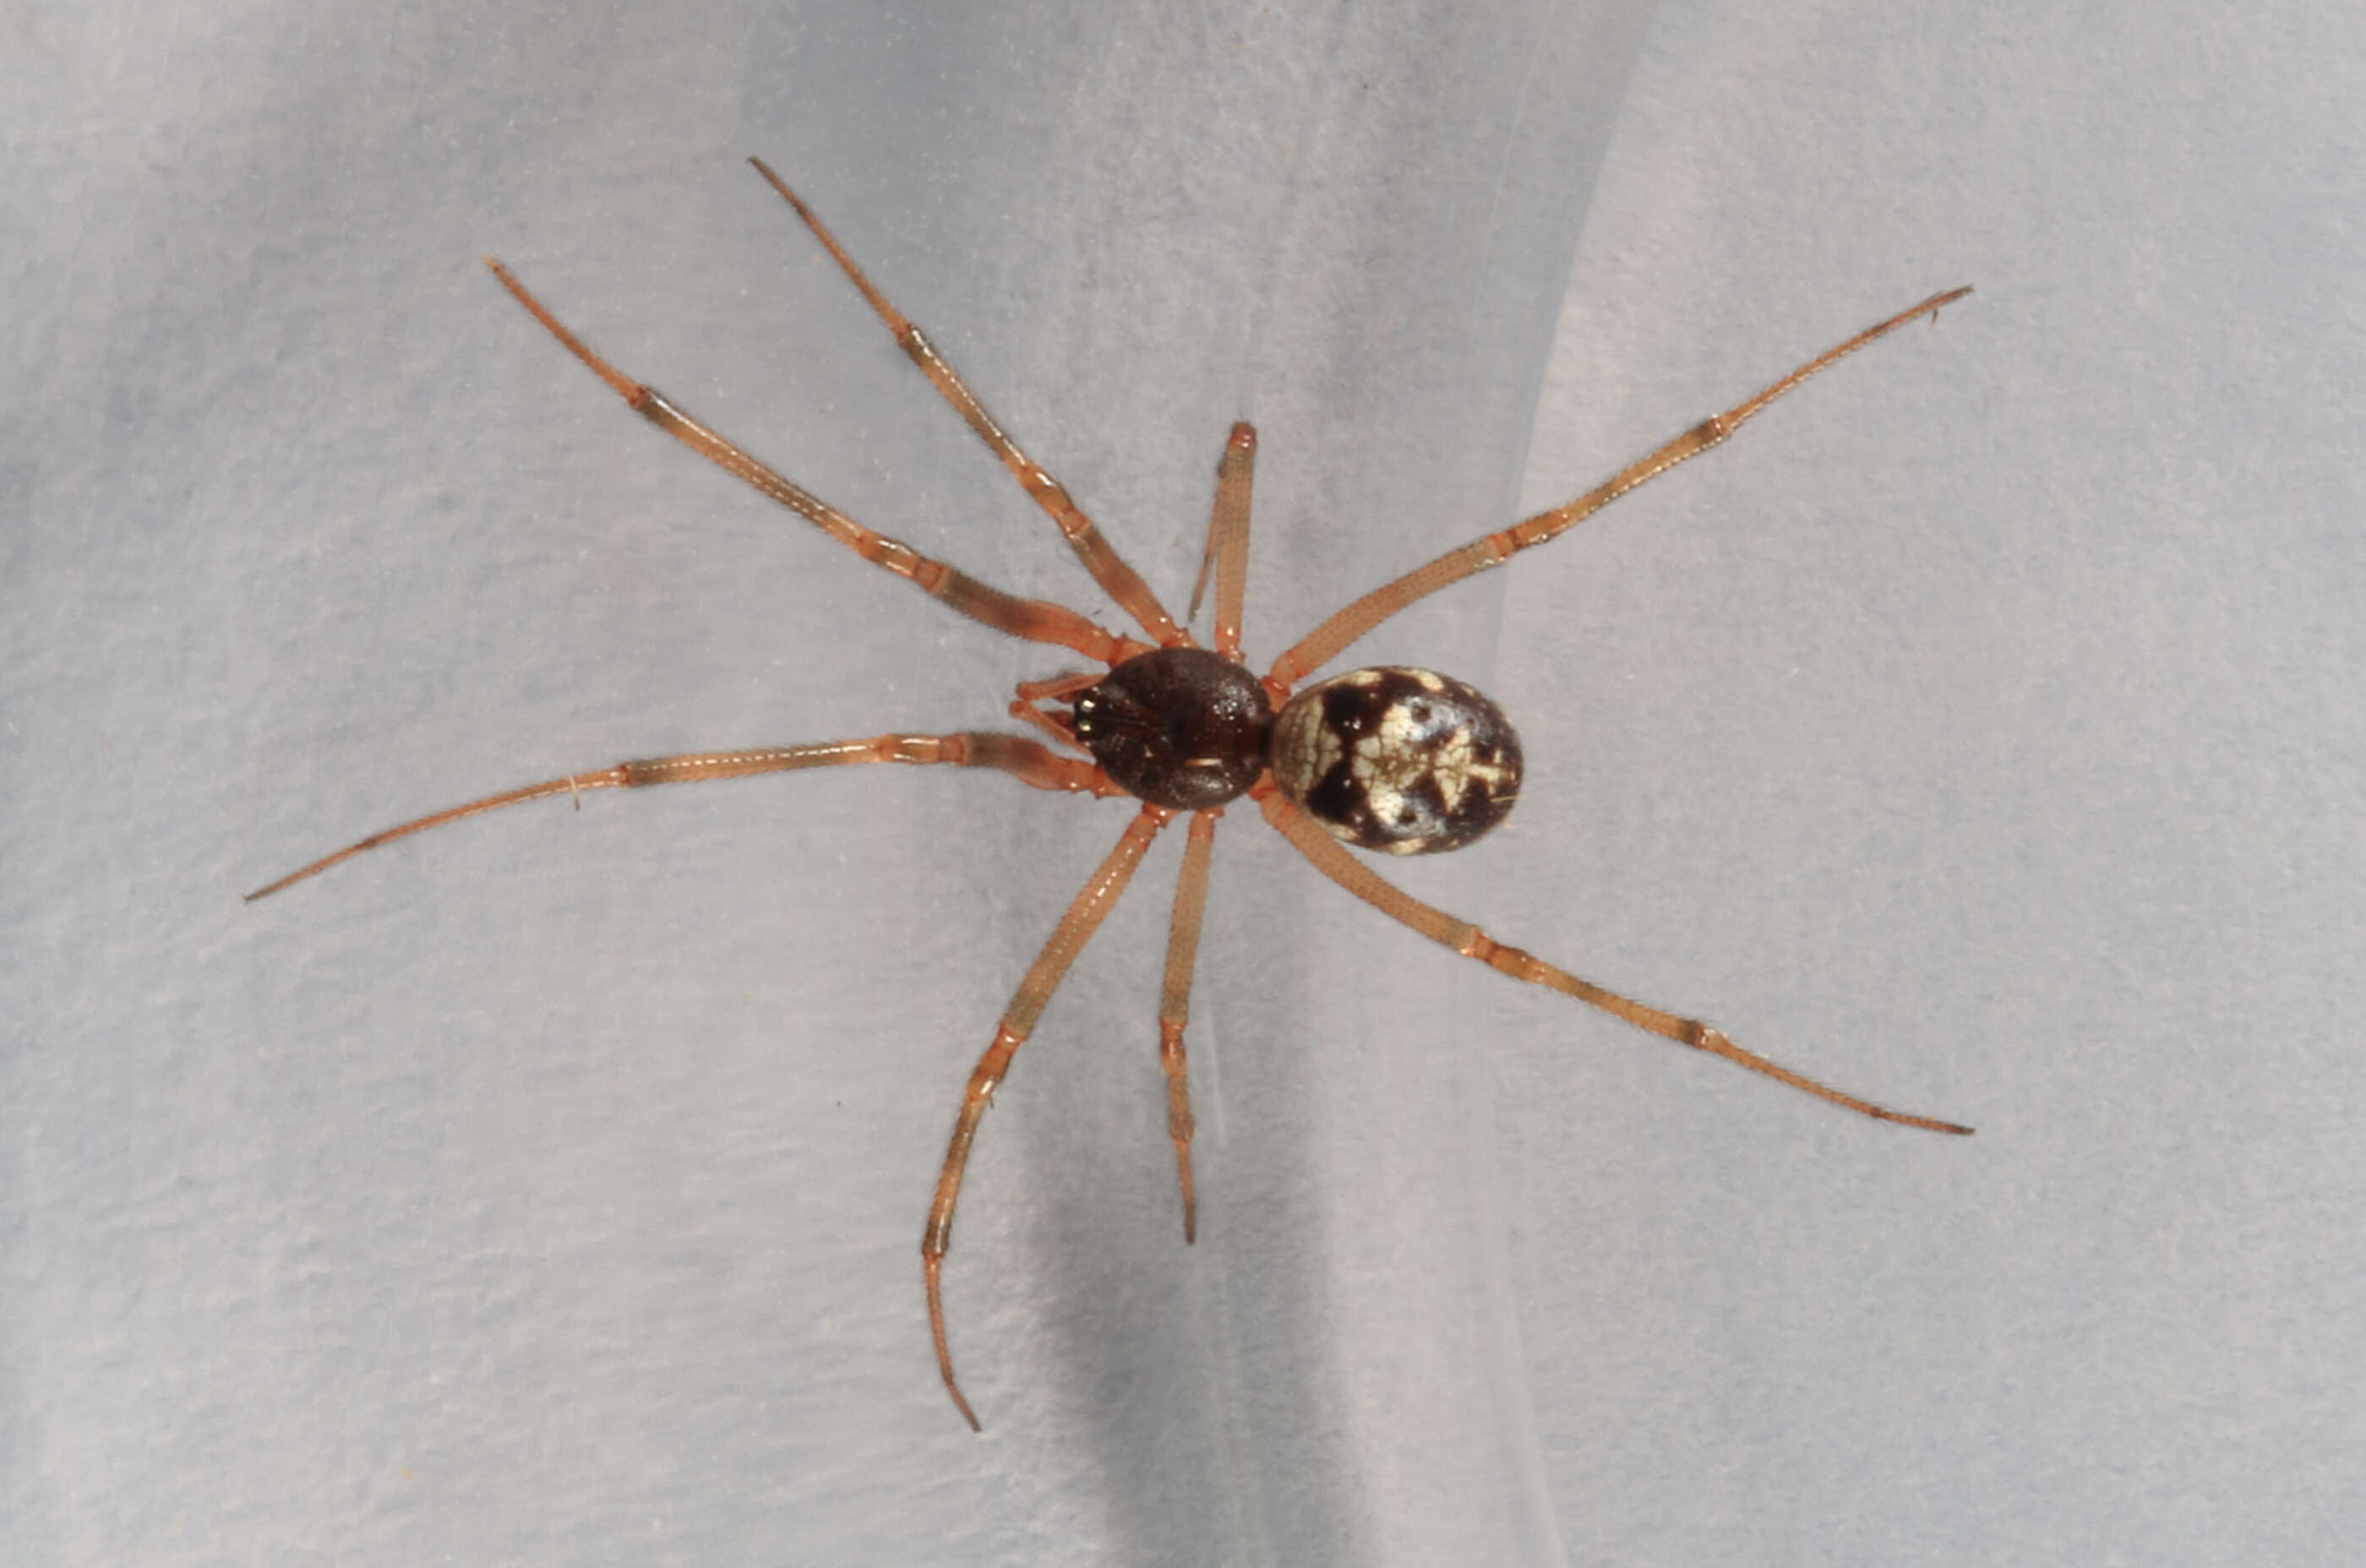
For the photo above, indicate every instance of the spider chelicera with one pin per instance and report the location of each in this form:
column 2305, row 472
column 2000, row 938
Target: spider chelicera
column 1403, row 761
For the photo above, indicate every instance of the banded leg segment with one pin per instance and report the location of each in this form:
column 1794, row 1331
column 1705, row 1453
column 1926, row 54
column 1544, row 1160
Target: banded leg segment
column 1038, row 620
column 1228, row 538
column 1175, row 1001
column 1121, row 581
column 1023, row 759
column 1333, row 860
column 1492, row 550
column 1068, row 938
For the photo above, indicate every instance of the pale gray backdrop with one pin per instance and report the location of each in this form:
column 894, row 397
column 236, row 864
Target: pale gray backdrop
column 1980, row 731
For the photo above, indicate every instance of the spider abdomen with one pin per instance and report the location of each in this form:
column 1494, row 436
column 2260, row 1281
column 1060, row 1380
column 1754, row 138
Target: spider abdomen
column 1406, row 761
column 1178, row 727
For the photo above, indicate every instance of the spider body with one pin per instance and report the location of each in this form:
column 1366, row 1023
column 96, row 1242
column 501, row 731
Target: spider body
column 1406, row 761
column 1401, row 760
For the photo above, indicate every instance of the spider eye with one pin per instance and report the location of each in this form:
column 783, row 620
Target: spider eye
column 1406, row 761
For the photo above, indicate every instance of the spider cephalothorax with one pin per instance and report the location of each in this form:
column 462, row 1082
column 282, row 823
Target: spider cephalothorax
column 1400, row 760
column 1179, row 727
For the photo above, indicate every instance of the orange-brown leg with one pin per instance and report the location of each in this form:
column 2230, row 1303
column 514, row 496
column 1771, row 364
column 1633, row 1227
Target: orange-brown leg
column 1036, row 620
column 1068, row 938
column 1121, row 581
column 1022, row 759
column 1228, row 538
column 1344, row 627
column 1175, row 1001
column 1333, row 861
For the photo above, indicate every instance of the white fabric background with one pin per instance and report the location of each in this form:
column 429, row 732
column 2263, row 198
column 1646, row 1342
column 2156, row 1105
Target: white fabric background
column 1980, row 731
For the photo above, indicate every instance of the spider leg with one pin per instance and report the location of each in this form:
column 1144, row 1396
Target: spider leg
column 1075, row 928
column 1023, row 759
column 1492, row 550
column 1175, row 1001
column 1333, row 861
column 1038, row 620
column 1228, row 538
column 1121, row 581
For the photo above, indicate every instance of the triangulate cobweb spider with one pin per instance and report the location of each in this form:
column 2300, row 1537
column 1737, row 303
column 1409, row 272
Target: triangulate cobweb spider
column 1404, row 761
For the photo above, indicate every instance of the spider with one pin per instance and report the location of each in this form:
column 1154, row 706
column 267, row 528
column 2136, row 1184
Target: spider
column 1401, row 761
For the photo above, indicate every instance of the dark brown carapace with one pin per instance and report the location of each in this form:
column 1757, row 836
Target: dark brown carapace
column 1401, row 760
column 1178, row 727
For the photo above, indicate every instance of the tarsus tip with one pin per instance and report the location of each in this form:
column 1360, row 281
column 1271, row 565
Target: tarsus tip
column 268, row 889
